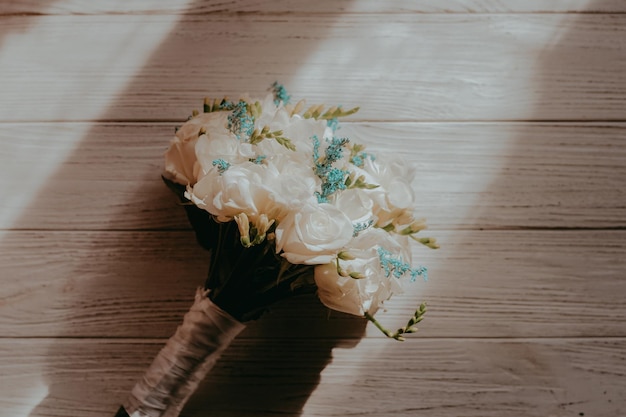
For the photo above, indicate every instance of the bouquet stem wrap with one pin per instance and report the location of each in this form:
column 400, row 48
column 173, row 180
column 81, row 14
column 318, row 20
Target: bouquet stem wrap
column 185, row 360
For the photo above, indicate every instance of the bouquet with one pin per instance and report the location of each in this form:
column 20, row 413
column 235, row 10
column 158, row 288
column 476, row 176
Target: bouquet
column 285, row 206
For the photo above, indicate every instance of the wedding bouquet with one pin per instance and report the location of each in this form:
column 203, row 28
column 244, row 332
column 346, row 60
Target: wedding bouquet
column 285, row 206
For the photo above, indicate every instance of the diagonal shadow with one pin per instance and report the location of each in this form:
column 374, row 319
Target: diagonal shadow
column 578, row 186
column 163, row 276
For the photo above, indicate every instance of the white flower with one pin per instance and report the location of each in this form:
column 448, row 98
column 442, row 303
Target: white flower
column 181, row 160
column 395, row 177
column 394, row 198
column 356, row 203
column 313, row 235
column 221, row 144
column 295, row 183
column 181, row 164
column 367, row 293
column 243, row 188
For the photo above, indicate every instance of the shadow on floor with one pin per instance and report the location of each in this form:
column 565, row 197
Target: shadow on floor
column 252, row 360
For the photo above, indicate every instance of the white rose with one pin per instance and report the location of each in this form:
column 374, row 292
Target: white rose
column 367, row 293
column 395, row 178
column 244, row 188
column 296, row 183
column 313, row 235
column 356, row 204
column 394, row 198
column 181, row 162
column 221, row 145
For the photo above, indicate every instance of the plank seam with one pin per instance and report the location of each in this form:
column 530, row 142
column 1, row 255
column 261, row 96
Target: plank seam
column 345, row 122
column 618, row 338
column 478, row 229
column 244, row 13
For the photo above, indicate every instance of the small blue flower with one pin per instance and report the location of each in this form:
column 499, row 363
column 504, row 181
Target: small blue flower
column 240, row 122
column 397, row 266
column 357, row 160
column 359, row 227
column 333, row 179
column 258, row 160
column 333, row 124
column 280, row 94
column 226, row 105
column 221, row 165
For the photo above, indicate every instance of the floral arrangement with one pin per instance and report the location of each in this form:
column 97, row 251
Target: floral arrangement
column 285, row 206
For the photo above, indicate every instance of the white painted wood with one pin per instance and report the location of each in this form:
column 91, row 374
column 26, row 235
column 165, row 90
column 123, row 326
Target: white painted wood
column 476, row 175
column 482, row 284
column 400, row 67
column 334, row 377
column 317, row 7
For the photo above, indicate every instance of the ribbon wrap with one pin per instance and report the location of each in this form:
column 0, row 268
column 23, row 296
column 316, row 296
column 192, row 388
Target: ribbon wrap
column 183, row 363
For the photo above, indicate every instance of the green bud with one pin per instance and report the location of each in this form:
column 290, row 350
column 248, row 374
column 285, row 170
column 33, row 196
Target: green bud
column 345, row 256
column 429, row 241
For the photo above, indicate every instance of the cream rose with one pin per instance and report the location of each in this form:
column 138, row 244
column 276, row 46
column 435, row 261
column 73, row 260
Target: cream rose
column 313, row 235
column 356, row 203
column 181, row 161
column 367, row 293
column 221, row 145
column 244, row 188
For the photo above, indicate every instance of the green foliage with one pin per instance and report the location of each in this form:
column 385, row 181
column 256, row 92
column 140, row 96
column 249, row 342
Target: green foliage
column 212, row 105
column 429, row 242
column 352, row 181
column 418, row 316
column 334, row 112
column 257, row 136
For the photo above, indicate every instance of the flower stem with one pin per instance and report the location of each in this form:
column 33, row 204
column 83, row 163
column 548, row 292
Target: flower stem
column 417, row 317
column 378, row 325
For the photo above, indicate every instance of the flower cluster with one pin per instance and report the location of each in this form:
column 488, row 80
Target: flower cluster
column 284, row 177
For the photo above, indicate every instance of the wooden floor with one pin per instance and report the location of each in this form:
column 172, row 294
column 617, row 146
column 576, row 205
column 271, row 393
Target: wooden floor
column 513, row 110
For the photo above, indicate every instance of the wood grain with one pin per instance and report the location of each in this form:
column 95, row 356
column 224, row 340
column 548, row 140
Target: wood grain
column 424, row 67
column 336, row 377
column 482, row 284
column 470, row 175
column 514, row 112
column 318, row 7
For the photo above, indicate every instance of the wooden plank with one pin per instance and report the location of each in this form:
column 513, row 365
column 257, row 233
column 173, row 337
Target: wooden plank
column 425, row 67
column 336, row 377
column 323, row 6
column 477, row 175
column 482, row 284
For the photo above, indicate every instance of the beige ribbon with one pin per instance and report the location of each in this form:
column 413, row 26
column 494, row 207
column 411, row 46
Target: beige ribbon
column 185, row 360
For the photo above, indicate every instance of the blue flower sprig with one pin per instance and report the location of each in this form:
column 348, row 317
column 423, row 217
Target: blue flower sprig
column 358, row 157
column 240, row 121
column 280, row 94
column 398, row 267
column 333, row 179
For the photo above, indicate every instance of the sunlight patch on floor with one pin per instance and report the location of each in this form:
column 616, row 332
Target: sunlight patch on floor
column 76, row 63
